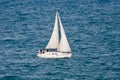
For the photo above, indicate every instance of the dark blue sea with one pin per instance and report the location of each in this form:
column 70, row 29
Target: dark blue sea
column 92, row 28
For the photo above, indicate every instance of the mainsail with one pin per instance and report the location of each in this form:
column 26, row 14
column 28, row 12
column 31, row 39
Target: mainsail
column 54, row 40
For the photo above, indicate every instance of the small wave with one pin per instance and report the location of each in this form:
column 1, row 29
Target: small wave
column 8, row 40
column 76, row 41
column 31, row 65
column 11, row 78
column 50, row 73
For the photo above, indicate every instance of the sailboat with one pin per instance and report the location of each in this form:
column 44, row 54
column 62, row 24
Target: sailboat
column 58, row 46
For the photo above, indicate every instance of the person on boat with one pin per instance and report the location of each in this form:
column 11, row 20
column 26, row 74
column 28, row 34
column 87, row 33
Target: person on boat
column 41, row 51
column 47, row 50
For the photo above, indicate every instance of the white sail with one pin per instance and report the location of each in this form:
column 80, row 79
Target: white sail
column 63, row 45
column 54, row 40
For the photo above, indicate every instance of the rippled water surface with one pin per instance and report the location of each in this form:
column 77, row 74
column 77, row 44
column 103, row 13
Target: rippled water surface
column 92, row 28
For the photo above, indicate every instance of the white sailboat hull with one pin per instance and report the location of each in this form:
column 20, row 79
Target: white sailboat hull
column 54, row 55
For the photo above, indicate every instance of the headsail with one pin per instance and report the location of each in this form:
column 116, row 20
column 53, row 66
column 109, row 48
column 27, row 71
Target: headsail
column 54, row 40
column 63, row 45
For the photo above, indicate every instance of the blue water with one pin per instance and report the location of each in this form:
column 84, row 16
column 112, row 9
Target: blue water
column 92, row 28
